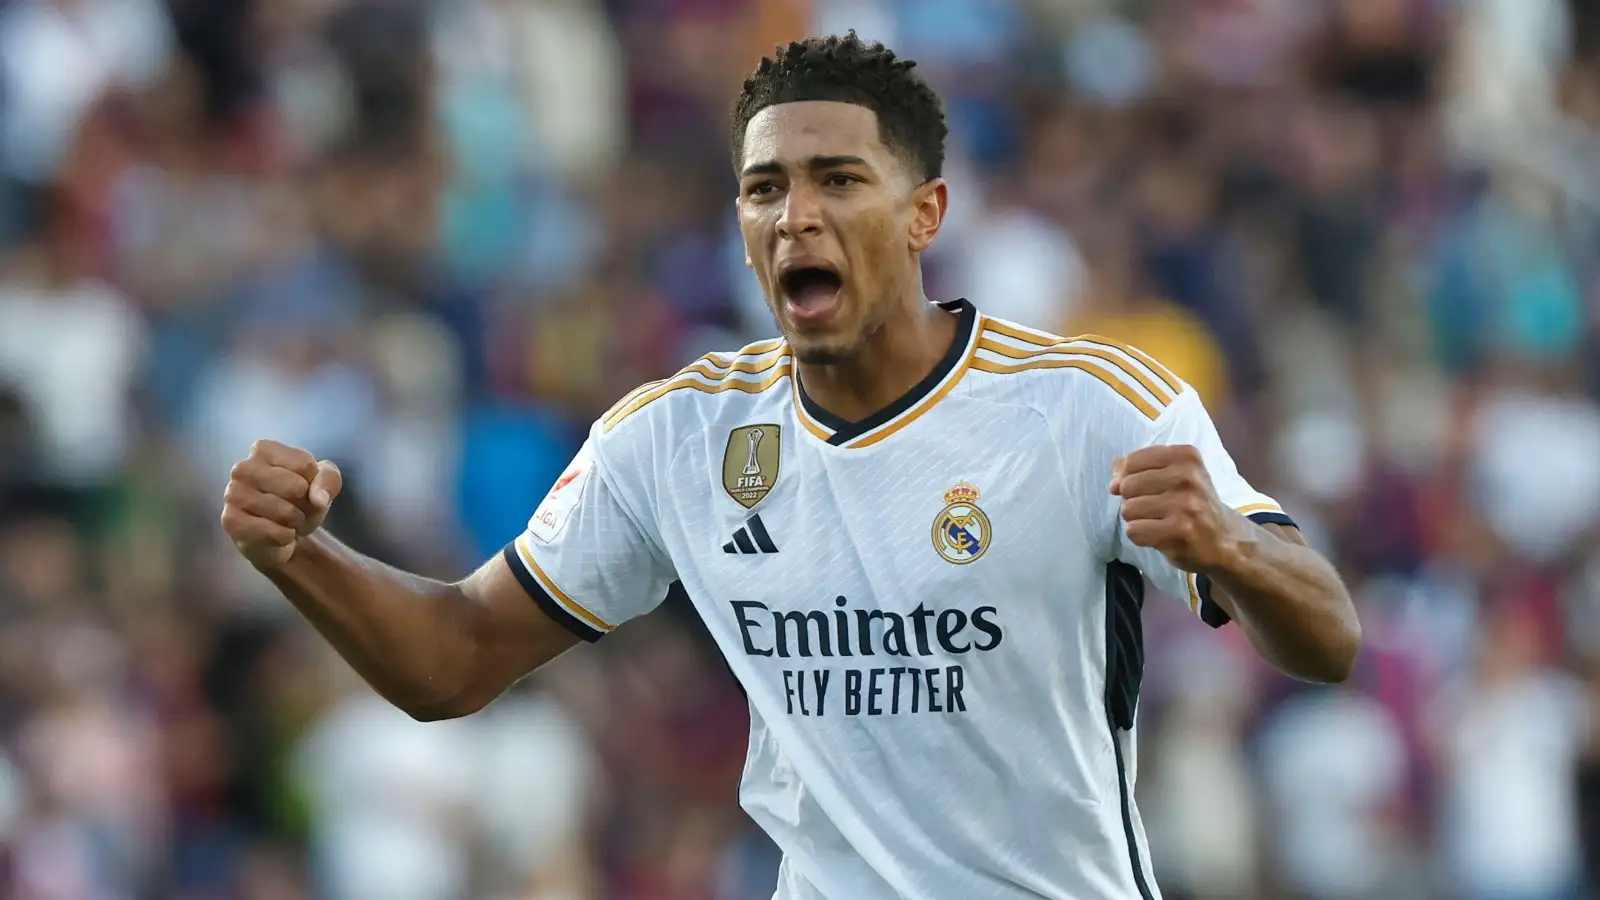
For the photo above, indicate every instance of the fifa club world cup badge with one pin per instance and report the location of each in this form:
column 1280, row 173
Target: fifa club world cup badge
column 961, row 531
column 750, row 464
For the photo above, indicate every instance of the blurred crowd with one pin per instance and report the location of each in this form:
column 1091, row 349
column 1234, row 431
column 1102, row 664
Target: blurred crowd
column 432, row 240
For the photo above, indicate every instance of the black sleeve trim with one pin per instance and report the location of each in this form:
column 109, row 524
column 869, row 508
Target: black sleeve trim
column 1211, row 613
column 583, row 630
column 1271, row 518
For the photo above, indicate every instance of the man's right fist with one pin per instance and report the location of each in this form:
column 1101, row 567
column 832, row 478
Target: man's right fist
column 276, row 496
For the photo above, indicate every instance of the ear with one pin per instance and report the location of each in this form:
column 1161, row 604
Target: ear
column 928, row 205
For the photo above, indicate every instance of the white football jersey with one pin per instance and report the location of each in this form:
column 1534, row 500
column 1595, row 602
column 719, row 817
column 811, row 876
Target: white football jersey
column 934, row 612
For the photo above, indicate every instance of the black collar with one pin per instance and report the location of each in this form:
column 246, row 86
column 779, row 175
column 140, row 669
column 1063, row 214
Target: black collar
column 845, row 431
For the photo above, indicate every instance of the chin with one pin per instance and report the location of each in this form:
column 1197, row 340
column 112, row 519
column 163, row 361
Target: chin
column 819, row 356
column 828, row 347
column 838, row 339
column 819, row 350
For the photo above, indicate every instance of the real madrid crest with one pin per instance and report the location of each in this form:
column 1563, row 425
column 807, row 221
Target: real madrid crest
column 750, row 464
column 961, row 531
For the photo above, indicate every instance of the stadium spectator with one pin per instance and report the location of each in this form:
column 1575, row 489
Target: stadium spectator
column 411, row 233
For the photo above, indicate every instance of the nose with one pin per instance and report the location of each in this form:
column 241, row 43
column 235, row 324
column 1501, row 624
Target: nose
column 802, row 214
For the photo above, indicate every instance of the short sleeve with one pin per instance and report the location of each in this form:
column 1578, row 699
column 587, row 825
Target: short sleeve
column 1186, row 422
column 590, row 556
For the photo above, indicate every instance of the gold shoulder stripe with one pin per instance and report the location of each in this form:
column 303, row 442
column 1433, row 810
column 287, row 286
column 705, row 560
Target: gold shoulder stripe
column 629, row 396
column 704, row 366
column 725, row 358
column 1036, row 338
column 780, row 368
column 1162, row 396
column 1040, row 339
column 717, row 371
column 760, row 347
column 1110, row 380
column 1161, row 372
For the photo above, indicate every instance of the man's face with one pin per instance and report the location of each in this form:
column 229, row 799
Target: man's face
column 832, row 223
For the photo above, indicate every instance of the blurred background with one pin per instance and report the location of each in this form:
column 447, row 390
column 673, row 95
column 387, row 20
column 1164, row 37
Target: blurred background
column 433, row 240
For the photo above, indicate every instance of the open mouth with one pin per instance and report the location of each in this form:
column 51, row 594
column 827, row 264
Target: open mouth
column 811, row 291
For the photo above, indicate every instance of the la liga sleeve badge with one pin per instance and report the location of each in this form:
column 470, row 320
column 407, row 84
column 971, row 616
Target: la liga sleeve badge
column 556, row 509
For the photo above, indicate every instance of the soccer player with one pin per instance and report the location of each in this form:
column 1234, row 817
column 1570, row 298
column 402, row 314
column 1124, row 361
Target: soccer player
column 918, row 534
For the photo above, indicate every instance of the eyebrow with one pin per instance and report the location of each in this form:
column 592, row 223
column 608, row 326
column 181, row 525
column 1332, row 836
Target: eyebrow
column 814, row 163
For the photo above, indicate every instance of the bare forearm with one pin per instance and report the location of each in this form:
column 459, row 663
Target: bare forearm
column 408, row 636
column 1292, row 604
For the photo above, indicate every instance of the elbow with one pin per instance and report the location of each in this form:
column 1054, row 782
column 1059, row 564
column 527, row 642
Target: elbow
column 432, row 712
column 1337, row 660
column 455, row 706
column 440, row 711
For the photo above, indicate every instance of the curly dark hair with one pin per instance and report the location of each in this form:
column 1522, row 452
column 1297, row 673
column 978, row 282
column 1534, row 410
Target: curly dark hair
column 849, row 70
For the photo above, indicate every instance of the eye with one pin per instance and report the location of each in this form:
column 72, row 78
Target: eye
column 841, row 179
column 760, row 189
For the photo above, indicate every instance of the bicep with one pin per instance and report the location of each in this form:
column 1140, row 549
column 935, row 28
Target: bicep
column 521, row 619
column 512, row 636
column 508, row 633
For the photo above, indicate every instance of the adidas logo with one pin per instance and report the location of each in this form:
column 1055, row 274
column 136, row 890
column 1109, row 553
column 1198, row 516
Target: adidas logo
column 753, row 538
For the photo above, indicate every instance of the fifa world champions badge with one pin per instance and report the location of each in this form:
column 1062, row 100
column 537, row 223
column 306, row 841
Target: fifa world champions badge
column 750, row 464
column 961, row 531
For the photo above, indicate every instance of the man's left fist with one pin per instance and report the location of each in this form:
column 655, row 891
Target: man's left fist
column 1170, row 505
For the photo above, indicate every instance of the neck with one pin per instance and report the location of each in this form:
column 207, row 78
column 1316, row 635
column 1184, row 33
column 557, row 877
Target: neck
column 904, row 349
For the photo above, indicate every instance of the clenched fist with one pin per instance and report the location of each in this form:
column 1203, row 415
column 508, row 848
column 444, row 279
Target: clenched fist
column 1170, row 505
column 276, row 496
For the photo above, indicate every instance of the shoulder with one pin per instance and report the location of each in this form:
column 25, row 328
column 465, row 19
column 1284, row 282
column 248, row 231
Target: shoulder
column 716, row 384
column 1084, row 377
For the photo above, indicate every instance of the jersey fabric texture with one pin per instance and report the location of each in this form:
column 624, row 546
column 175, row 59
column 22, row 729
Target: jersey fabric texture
column 934, row 613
